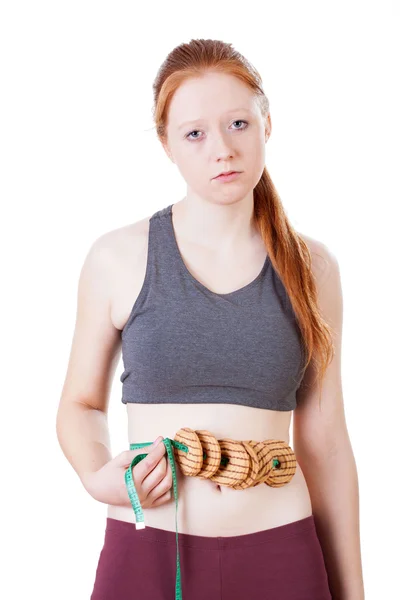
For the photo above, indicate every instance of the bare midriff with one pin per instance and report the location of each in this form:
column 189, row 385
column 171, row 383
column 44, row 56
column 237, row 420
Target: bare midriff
column 204, row 507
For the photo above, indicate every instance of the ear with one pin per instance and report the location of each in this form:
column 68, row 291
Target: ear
column 268, row 127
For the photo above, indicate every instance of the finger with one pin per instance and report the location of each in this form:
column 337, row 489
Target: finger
column 159, row 490
column 163, row 499
column 150, row 462
column 155, row 476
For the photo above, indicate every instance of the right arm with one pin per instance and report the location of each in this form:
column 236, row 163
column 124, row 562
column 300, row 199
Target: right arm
column 82, row 427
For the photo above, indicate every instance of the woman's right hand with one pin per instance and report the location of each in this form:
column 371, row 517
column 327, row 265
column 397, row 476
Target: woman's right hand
column 152, row 477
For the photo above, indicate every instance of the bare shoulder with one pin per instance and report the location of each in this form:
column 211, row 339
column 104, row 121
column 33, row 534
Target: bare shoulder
column 128, row 239
column 323, row 260
column 328, row 280
column 116, row 253
column 121, row 254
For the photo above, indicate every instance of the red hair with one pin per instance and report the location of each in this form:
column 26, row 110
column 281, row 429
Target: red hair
column 288, row 252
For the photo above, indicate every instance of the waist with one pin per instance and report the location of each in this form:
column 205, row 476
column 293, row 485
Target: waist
column 203, row 510
column 237, row 465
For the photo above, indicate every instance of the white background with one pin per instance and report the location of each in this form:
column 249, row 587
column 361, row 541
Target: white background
column 78, row 156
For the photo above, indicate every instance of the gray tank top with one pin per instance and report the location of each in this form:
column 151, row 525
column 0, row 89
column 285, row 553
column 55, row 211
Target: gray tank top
column 183, row 343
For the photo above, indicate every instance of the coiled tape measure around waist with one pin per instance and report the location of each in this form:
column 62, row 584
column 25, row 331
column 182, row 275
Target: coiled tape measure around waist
column 236, row 464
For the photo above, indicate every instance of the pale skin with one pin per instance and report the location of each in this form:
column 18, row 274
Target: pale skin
column 223, row 250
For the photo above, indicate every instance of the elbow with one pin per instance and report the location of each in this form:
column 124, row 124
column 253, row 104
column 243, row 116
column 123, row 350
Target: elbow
column 324, row 447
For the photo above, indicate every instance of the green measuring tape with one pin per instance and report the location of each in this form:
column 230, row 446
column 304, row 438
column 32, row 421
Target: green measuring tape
column 133, row 497
column 136, row 502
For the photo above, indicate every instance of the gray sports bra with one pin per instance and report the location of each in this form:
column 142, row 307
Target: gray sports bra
column 183, row 343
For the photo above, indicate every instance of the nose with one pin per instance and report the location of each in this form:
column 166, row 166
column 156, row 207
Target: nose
column 222, row 149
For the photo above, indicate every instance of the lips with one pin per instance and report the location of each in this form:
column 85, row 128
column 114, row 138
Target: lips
column 227, row 173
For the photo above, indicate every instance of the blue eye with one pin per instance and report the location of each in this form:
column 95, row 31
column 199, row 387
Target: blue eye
column 196, row 131
column 241, row 121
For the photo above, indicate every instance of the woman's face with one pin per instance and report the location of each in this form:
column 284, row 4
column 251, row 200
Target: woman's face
column 214, row 125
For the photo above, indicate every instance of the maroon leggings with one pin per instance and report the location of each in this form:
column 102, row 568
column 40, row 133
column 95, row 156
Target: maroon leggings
column 282, row 563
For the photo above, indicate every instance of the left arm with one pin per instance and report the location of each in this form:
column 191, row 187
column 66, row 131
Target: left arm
column 323, row 449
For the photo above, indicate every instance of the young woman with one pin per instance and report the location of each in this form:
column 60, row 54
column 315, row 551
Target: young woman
column 229, row 322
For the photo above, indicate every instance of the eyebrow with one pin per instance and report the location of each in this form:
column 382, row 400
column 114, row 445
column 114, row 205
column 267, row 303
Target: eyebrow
column 187, row 123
